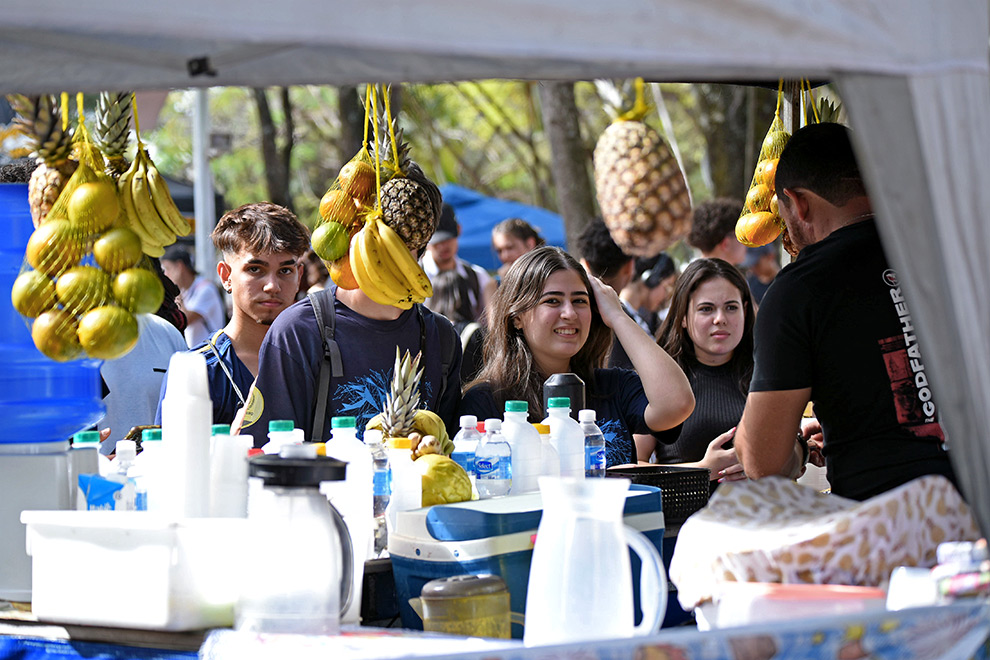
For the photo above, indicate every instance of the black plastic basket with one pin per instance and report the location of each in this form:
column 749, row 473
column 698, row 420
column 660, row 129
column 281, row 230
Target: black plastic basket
column 683, row 490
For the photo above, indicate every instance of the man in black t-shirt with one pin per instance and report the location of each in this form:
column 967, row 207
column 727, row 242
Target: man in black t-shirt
column 836, row 329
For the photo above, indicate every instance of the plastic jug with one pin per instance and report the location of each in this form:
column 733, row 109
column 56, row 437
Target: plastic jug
column 524, row 441
column 581, row 558
column 290, row 519
column 566, row 437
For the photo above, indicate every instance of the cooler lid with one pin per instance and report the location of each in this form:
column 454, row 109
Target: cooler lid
column 480, row 519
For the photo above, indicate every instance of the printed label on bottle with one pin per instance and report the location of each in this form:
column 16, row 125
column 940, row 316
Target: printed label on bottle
column 382, row 483
column 485, row 466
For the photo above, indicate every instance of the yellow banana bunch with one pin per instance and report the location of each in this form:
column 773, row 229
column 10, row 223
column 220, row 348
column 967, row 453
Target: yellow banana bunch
column 425, row 422
column 384, row 268
column 148, row 207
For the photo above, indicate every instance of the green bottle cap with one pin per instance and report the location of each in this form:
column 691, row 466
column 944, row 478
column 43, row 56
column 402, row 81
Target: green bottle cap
column 86, row 438
column 516, row 406
column 151, row 435
column 281, row 425
column 342, row 423
column 559, row 402
column 220, row 429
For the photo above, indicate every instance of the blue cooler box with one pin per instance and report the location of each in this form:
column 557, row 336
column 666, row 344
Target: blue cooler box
column 494, row 537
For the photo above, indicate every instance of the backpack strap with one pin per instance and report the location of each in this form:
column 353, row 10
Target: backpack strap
column 449, row 340
column 331, row 365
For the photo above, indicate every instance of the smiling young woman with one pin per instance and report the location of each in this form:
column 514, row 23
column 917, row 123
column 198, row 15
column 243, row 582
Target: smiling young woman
column 548, row 317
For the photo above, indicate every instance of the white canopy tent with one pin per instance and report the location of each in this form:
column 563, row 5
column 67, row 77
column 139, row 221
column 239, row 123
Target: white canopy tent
column 912, row 73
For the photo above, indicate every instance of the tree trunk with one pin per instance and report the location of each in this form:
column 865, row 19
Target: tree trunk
column 277, row 161
column 351, row 116
column 575, row 198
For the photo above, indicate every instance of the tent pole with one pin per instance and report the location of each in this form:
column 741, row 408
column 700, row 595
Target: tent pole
column 203, row 200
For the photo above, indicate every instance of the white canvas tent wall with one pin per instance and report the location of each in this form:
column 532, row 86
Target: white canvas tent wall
column 913, row 74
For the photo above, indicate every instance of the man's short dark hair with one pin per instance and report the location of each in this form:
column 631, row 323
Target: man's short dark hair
column 820, row 157
column 604, row 257
column 179, row 254
column 712, row 221
column 261, row 227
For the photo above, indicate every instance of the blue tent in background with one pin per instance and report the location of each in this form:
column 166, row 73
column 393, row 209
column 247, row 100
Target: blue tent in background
column 478, row 214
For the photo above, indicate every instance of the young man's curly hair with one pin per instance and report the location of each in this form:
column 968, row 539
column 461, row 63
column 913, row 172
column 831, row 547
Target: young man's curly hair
column 595, row 245
column 712, row 221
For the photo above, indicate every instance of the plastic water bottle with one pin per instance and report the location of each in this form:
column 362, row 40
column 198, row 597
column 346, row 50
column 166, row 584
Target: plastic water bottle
column 148, row 466
column 381, row 486
column 466, row 443
column 493, row 461
column 566, row 437
column 407, row 481
column 524, row 441
column 85, row 458
column 549, row 459
column 354, row 499
column 594, row 445
column 126, row 498
column 282, row 432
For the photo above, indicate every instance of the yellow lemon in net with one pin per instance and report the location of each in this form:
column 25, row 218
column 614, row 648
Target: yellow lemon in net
column 93, row 206
column 108, row 332
column 138, row 290
column 117, row 249
column 54, row 333
column 33, row 293
column 82, row 288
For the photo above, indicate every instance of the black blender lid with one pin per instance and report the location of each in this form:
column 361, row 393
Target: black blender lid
column 277, row 471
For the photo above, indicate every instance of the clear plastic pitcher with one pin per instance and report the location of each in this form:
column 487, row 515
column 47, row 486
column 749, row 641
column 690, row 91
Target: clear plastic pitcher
column 580, row 579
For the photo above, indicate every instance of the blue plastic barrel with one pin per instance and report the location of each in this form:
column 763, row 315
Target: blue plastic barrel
column 40, row 400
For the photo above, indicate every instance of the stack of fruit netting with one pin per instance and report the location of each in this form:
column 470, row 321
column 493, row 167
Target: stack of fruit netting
column 642, row 192
column 86, row 270
column 760, row 222
column 379, row 208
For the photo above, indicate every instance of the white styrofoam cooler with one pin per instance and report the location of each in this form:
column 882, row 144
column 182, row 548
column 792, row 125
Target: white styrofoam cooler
column 135, row 569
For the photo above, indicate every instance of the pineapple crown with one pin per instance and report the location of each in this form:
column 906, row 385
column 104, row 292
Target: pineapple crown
column 827, row 111
column 40, row 120
column 402, row 399
column 623, row 99
column 113, row 122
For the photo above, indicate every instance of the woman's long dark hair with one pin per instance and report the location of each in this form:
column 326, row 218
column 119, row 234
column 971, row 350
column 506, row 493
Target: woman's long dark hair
column 673, row 337
column 508, row 361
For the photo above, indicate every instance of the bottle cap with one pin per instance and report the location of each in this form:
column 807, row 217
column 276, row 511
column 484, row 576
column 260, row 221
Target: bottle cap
column 586, row 415
column 342, row 423
column 559, row 402
column 516, row 406
column 542, row 429
column 86, row 438
column 220, row 429
column 468, row 421
column 399, row 443
column 151, row 435
column 126, row 449
column 373, row 437
column 281, row 425
column 493, row 424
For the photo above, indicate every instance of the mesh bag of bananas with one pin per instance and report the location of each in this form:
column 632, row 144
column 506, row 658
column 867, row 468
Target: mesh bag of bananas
column 380, row 206
column 85, row 273
column 643, row 195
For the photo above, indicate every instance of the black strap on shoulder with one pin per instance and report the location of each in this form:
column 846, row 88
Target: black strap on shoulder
column 331, row 365
column 448, row 346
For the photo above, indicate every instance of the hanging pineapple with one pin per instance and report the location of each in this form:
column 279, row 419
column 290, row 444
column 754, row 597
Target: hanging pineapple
column 40, row 120
column 444, row 481
column 411, row 204
column 113, row 129
column 644, row 198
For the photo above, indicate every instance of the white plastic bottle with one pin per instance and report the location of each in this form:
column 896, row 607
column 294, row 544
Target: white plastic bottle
column 126, row 498
column 187, row 414
column 524, row 441
column 493, row 461
column 354, row 499
column 148, row 467
column 549, row 459
column 85, row 458
column 466, row 443
column 407, row 481
column 381, row 487
column 594, row 444
column 566, row 436
column 282, row 432
column 228, row 473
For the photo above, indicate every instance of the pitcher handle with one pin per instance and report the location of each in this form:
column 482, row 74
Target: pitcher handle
column 347, row 570
column 652, row 580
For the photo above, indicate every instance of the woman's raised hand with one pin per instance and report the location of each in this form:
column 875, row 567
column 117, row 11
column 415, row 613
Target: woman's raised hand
column 609, row 304
column 722, row 462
